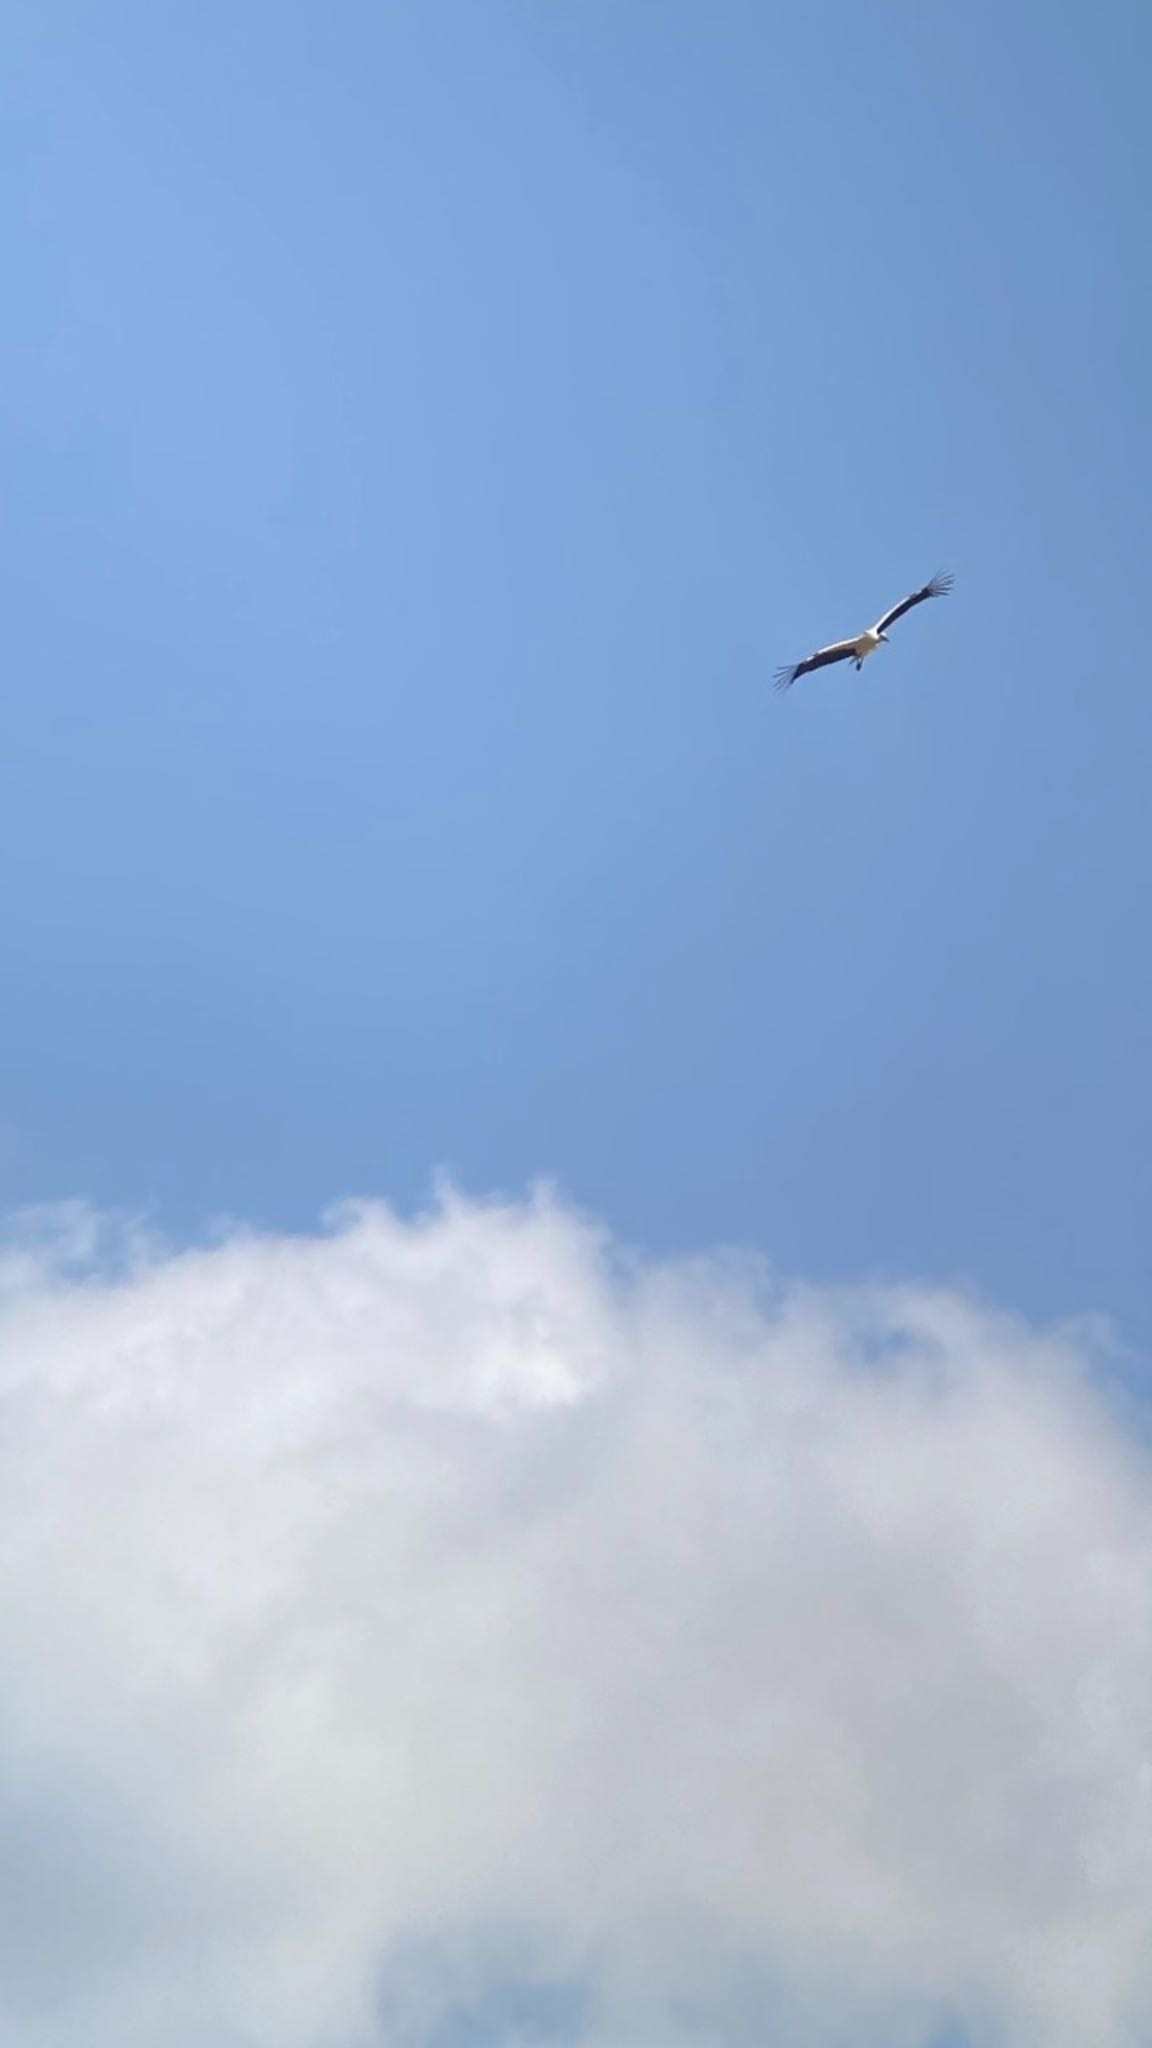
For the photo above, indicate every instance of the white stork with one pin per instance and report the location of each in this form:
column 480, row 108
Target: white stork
column 865, row 643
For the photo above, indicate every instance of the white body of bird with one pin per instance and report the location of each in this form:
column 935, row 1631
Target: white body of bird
column 868, row 643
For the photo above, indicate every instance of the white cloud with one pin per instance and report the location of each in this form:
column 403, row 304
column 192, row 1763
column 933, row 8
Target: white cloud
column 390, row 1614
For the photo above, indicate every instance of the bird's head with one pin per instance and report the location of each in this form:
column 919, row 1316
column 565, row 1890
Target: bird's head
column 884, row 636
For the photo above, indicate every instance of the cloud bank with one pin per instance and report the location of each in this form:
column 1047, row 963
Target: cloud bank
column 453, row 1630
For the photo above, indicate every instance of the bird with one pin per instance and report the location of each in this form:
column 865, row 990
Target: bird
column 865, row 643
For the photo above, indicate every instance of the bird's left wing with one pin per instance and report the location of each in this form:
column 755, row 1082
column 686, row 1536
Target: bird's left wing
column 840, row 650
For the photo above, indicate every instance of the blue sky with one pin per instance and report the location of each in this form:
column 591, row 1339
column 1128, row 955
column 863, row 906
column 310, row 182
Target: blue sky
column 427, row 428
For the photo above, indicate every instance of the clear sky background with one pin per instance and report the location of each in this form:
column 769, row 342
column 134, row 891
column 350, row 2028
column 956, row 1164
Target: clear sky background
column 428, row 424
column 427, row 428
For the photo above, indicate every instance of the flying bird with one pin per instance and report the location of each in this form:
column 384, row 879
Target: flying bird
column 865, row 643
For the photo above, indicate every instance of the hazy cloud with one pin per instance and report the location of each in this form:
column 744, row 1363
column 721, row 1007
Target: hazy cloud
column 453, row 1631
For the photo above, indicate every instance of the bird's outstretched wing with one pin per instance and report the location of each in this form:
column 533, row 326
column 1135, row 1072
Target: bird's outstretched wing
column 940, row 585
column 840, row 650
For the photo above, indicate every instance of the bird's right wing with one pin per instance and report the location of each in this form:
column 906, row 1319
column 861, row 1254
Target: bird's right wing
column 840, row 650
column 940, row 585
